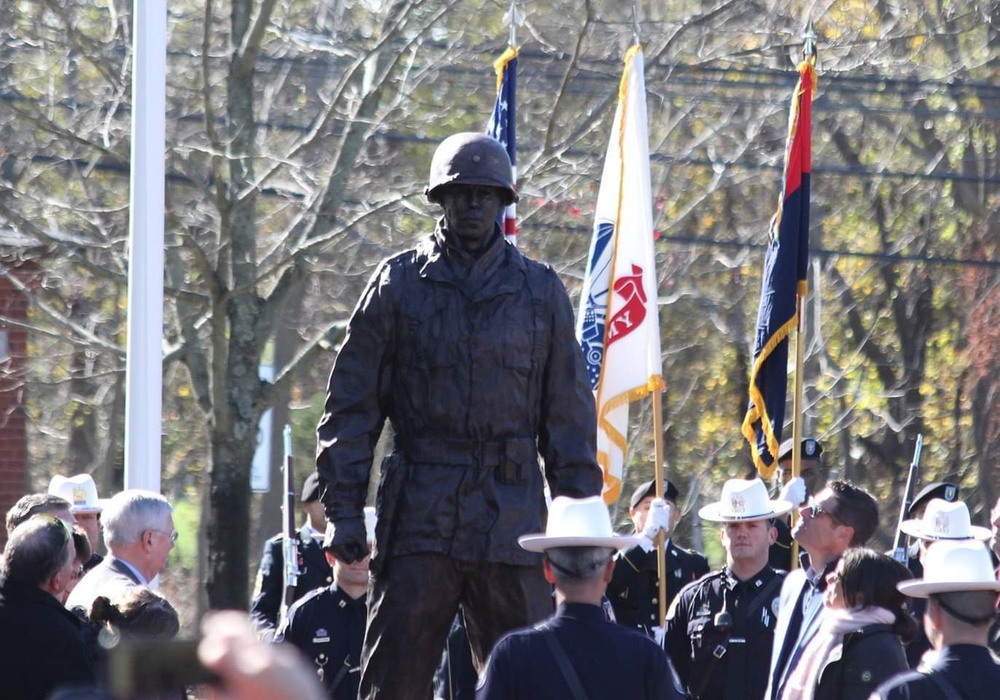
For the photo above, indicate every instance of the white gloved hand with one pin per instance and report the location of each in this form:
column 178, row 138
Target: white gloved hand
column 794, row 491
column 657, row 635
column 658, row 519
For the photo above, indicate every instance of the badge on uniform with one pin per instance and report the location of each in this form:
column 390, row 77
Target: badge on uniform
column 950, row 492
column 322, row 636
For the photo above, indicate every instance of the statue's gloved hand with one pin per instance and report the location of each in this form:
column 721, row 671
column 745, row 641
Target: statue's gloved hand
column 346, row 540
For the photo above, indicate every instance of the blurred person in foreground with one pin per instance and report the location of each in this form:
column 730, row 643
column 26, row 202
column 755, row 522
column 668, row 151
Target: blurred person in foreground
column 577, row 652
column 250, row 669
column 42, row 646
column 635, row 586
column 860, row 641
column 469, row 349
column 961, row 588
column 81, row 492
column 139, row 534
column 720, row 628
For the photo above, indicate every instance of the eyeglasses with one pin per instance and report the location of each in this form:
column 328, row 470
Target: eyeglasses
column 173, row 534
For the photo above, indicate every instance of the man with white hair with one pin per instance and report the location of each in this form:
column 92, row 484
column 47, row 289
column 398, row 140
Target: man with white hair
column 578, row 653
column 139, row 534
column 961, row 591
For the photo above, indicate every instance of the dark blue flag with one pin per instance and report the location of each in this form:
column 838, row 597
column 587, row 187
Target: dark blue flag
column 784, row 281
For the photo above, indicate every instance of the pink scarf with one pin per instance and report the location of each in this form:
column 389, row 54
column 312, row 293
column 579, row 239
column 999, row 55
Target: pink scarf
column 802, row 681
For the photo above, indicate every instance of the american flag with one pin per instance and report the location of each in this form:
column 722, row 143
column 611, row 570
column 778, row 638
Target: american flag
column 503, row 127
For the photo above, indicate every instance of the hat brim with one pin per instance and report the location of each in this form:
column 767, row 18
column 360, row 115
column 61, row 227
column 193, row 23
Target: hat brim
column 713, row 512
column 922, row 589
column 540, row 543
column 86, row 509
column 915, row 528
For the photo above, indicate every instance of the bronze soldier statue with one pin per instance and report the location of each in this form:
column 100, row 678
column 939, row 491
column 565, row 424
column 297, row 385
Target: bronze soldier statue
column 468, row 348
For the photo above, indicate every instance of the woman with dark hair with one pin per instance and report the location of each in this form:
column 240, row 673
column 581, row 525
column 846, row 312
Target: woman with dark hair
column 136, row 613
column 864, row 627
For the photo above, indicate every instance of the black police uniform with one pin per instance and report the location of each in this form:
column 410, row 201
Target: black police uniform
column 960, row 671
column 314, row 572
column 328, row 626
column 634, row 587
column 717, row 662
column 779, row 554
column 604, row 659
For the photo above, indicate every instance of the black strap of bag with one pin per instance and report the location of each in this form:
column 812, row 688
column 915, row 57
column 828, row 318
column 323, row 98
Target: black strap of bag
column 565, row 667
column 944, row 685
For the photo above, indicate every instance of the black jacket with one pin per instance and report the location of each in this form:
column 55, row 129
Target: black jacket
column 608, row 660
column 634, row 587
column 971, row 671
column 314, row 572
column 42, row 646
column 476, row 364
column 866, row 659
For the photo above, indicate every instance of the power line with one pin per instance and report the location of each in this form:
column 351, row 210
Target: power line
column 829, row 253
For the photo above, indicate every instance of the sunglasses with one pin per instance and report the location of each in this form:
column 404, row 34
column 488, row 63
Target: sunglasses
column 815, row 510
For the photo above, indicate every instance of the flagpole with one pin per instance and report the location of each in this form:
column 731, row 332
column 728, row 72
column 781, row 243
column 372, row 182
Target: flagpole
column 808, row 52
column 661, row 538
column 144, row 355
column 797, row 414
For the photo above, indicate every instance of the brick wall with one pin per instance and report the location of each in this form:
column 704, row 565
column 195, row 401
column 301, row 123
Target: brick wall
column 13, row 438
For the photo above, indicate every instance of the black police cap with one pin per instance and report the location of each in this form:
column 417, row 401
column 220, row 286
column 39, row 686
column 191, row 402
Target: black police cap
column 648, row 488
column 310, row 488
column 811, row 449
column 940, row 489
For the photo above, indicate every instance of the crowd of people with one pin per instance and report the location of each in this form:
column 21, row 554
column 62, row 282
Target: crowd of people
column 488, row 566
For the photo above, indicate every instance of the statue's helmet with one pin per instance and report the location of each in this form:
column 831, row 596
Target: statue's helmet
column 471, row 159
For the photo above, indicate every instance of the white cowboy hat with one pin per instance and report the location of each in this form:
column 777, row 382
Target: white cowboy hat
column 744, row 500
column 945, row 521
column 953, row 566
column 80, row 490
column 577, row 522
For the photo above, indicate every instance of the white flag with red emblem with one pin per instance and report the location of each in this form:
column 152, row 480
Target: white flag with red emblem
column 618, row 325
